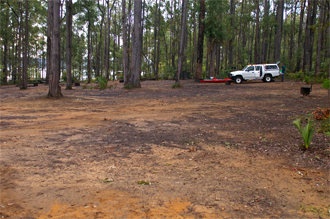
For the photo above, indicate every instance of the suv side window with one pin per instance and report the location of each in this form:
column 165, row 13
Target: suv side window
column 268, row 67
column 257, row 68
column 250, row 68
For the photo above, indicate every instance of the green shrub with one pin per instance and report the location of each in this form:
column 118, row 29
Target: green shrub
column 325, row 126
column 103, row 83
column 306, row 132
column 175, row 85
column 326, row 84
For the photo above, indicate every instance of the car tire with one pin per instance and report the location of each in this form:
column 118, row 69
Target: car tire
column 238, row 80
column 267, row 78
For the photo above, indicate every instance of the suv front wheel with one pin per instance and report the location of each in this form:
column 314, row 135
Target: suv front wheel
column 267, row 78
column 238, row 80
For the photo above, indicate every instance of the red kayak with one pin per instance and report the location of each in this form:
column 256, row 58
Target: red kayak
column 215, row 80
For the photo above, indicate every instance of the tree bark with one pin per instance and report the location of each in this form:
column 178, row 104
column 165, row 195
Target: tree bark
column 299, row 48
column 212, row 58
column 232, row 35
column 278, row 30
column 155, row 40
column 125, row 59
column 158, row 46
column 134, row 80
column 68, row 43
column 309, row 35
column 293, row 30
column 54, row 77
column 26, row 45
column 200, row 41
column 320, row 38
column 182, row 39
column 257, row 38
column 265, row 33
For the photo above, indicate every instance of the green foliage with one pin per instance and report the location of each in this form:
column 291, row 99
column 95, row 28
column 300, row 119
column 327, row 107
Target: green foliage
column 325, row 126
column 128, row 87
column 213, row 26
column 175, row 85
column 88, row 87
column 306, row 132
column 326, row 84
column 103, row 83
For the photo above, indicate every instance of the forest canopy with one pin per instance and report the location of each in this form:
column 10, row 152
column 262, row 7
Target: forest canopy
column 235, row 33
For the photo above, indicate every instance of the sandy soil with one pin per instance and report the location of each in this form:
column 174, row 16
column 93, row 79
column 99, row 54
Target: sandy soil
column 207, row 150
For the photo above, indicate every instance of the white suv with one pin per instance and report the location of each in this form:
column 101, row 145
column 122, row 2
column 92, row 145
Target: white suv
column 265, row 72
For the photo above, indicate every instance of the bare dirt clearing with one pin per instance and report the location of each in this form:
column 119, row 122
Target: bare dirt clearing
column 208, row 150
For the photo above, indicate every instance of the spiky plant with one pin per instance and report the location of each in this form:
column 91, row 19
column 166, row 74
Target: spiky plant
column 306, row 132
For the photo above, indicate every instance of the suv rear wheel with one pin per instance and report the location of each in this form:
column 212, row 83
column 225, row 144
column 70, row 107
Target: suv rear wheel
column 267, row 78
column 238, row 80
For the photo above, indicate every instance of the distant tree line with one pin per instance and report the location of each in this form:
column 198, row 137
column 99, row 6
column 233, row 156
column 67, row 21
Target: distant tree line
column 158, row 39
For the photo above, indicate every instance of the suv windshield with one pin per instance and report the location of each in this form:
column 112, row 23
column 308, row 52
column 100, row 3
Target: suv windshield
column 245, row 67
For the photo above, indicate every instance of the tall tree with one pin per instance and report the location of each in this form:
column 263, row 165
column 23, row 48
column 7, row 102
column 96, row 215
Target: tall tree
column 278, row 30
column 26, row 45
column 49, row 37
column 68, row 43
column 125, row 55
column 135, row 65
column 320, row 38
column 292, row 33
column 265, row 32
column 299, row 47
column 54, row 77
column 309, row 35
column 200, row 44
column 231, row 37
column 257, row 37
column 182, row 39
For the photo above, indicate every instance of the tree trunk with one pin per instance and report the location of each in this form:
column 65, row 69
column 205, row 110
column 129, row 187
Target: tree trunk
column 125, row 59
column 26, row 45
column 309, row 35
column 265, row 33
column 217, row 68
column 278, row 30
column 5, row 52
column 114, row 47
column 320, row 38
column 54, row 77
column 134, row 80
column 257, row 38
column 212, row 58
column 232, row 35
column 20, row 82
column 193, row 70
column 68, row 44
column 200, row 41
column 5, row 73
column 284, row 41
column 293, row 30
column 106, row 43
column 155, row 44
column 182, row 39
column 89, row 52
column 299, row 47
column 239, row 47
column 49, row 38
column 158, row 46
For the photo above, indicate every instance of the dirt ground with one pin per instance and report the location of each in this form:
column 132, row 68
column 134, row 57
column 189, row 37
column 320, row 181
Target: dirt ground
column 204, row 151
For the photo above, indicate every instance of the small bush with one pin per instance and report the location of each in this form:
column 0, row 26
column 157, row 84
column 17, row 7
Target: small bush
column 326, row 84
column 306, row 132
column 103, row 83
column 175, row 85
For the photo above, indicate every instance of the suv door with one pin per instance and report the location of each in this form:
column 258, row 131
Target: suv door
column 249, row 73
column 258, row 72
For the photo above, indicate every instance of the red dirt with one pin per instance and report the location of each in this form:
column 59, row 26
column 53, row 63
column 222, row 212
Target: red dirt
column 209, row 150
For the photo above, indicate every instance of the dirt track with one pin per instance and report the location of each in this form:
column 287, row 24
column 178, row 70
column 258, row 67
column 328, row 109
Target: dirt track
column 209, row 150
